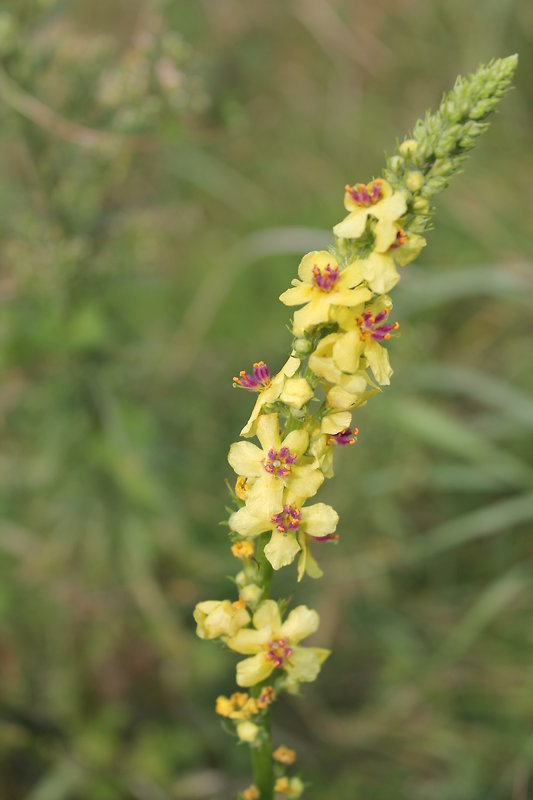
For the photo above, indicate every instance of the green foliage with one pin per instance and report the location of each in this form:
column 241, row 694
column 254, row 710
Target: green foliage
column 149, row 220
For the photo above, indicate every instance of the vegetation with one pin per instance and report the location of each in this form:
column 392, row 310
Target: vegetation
column 160, row 168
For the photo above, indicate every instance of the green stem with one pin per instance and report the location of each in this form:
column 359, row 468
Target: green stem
column 262, row 762
column 262, row 755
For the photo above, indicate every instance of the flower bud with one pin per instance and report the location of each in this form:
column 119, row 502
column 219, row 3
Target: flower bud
column 296, row 392
column 414, row 181
column 247, row 731
column 219, row 618
column 396, row 163
column 421, row 205
column 301, row 346
column 251, row 594
column 408, row 147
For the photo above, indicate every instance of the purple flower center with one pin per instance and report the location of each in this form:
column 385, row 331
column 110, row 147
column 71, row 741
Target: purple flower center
column 365, row 195
column 278, row 651
column 287, row 520
column 346, row 436
column 325, row 279
column 258, row 381
column 374, row 327
column 279, row 462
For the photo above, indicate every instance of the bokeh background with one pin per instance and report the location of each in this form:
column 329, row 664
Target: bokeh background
column 164, row 165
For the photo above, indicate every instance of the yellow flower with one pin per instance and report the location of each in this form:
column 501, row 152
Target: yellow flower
column 293, row 526
column 365, row 327
column 323, row 285
column 407, row 247
column 269, row 388
column 266, row 697
column 251, row 793
column 334, row 428
column 272, row 466
column 289, row 522
column 379, row 272
column 284, row 755
column 247, row 731
column 378, row 201
column 239, row 706
column 219, row 618
column 275, row 645
column 291, row 787
column 243, row 550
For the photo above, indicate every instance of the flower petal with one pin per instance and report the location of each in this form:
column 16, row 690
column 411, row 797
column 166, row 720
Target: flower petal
column 264, row 498
column 281, row 549
column 267, row 617
column 296, row 392
column 248, row 641
column 305, row 481
column 268, row 432
column 253, row 670
column 380, row 272
column 300, row 624
column 319, row 519
column 247, row 524
column 347, row 351
column 313, row 313
column 336, row 422
column 305, row 663
column 296, row 441
column 353, row 225
column 246, row 459
column 297, row 295
column 378, row 361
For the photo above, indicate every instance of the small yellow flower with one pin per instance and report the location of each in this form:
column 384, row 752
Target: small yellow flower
column 284, row 755
column 365, row 328
column 243, row 549
column 288, row 522
column 376, row 200
column 269, row 388
column 251, row 793
column 274, row 645
column 241, row 487
column 321, row 286
column 291, row 787
column 251, row 594
column 219, row 618
column 240, row 706
column 407, row 246
column 272, row 466
column 224, row 706
column 267, row 696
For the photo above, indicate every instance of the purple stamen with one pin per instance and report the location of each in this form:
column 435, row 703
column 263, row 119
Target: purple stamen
column 346, row 436
column 278, row 652
column 279, row 463
column 371, row 328
column 326, row 278
column 257, row 382
column 361, row 195
column 287, row 520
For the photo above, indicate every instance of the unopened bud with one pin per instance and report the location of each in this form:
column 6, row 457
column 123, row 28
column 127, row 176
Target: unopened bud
column 251, row 594
column 301, row 346
column 414, row 181
column 408, row 147
column 420, row 205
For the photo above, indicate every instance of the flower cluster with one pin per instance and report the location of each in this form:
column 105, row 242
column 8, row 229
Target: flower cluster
column 342, row 330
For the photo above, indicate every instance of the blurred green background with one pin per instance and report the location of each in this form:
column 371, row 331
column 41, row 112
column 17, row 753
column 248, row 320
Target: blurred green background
column 164, row 166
